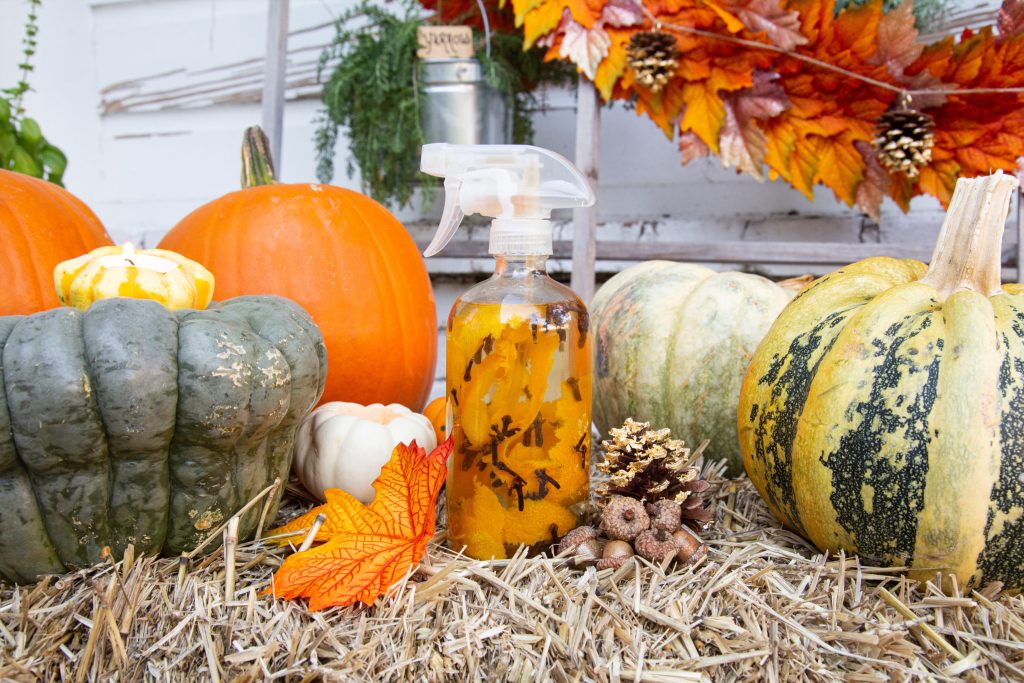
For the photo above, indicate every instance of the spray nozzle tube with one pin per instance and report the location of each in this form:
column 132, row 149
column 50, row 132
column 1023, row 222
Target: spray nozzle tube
column 516, row 185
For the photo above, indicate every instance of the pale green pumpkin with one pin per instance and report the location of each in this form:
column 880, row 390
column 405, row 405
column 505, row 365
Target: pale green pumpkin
column 673, row 341
column 883, row 414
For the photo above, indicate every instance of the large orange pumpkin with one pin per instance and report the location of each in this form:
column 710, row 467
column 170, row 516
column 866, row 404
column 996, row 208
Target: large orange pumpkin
column 343, row 257
column 41, row 224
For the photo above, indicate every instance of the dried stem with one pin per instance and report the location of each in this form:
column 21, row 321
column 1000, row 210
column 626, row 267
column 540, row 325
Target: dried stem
column 230, row 544
column 925, row 629
column 313, row 531
column 266, row 508
column 217, row 532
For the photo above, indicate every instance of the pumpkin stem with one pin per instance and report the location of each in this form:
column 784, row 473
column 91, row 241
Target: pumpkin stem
column 796, row 284
column 968, row 254
column 257, row 164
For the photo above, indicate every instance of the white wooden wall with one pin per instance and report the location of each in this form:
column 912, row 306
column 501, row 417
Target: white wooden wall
column 149, row 98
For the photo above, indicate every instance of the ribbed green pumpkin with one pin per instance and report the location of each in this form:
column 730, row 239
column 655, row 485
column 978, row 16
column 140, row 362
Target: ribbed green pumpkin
column 672, row 343
column 132, row 424
column 883, row 414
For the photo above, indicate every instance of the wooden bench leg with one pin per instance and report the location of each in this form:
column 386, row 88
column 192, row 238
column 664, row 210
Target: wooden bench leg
column 584, row 222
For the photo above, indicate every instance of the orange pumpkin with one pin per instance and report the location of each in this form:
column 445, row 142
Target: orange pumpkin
column 437, row 412
column 41, row 224
column 343, row 257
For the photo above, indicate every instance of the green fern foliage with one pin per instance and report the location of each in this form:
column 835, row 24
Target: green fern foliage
column 372, row 97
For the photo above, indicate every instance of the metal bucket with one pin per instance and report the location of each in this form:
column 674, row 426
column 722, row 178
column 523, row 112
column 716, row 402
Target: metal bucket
column 460, row 107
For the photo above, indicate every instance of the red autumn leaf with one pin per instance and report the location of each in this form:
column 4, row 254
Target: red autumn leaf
column 367, row 549
column 1011, row 18
column 467, row 12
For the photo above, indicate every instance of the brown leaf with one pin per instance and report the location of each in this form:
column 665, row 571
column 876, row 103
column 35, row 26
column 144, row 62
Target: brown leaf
column 742, row 142
column 781, row 26
column 897, row 39
column 1011, row 18
column 692, row 147
column 875, row 186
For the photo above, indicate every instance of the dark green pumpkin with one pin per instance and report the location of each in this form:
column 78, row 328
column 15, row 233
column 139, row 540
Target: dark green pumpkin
column 132, row 424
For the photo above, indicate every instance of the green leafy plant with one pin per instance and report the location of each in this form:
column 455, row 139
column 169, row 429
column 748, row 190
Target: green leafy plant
column 23, row 148
column 373, row 94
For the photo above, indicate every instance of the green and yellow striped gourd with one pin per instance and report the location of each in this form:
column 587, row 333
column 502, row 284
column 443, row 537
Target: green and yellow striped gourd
column 883, row 413
column 672, row 343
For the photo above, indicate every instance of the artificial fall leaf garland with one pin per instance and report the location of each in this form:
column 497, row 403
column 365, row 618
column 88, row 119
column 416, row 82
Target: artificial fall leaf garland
column 365, row 549
column 762, row 106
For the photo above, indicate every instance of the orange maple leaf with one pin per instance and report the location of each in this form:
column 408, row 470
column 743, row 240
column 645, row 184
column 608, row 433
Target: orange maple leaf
column 973, row 135
column 813, row 140
column 366, row 549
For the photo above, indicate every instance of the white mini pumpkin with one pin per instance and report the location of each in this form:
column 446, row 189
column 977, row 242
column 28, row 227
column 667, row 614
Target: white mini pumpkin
column 345, row 445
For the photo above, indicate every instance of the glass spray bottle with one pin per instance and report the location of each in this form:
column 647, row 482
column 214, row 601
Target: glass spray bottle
column 518, row 355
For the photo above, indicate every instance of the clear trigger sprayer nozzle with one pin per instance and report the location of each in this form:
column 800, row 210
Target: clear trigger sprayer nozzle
column 516, row 185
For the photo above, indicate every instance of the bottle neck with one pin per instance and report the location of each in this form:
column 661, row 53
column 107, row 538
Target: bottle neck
column 520, row 266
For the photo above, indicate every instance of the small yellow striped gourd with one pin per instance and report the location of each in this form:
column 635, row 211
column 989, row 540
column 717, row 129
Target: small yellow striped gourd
column 158, row 274
column 883, row 413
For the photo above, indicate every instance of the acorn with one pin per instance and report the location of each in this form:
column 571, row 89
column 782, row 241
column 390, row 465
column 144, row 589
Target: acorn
column 656, row 545
column 615, row 555
column 692, row 550
column 623, row 518
column 665, row 514
column 581, row 544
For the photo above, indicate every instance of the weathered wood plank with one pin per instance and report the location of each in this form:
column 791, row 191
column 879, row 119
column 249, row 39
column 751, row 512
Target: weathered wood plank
column 751, row 252
column 744, row 253
column 584, row 221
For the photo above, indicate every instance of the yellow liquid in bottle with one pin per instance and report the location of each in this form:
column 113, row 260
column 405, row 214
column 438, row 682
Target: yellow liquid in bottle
column 519, row 391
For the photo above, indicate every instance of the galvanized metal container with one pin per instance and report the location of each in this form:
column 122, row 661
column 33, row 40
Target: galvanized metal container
column 460, row 107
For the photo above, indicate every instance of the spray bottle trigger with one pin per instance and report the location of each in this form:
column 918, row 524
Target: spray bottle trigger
column 451, row 217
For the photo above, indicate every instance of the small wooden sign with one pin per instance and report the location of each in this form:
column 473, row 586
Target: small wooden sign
column 445, row 42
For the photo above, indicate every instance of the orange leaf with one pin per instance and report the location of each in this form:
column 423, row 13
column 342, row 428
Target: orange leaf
column 614, row 64
column 367, row 549
column 704, row 113
column 732, row 22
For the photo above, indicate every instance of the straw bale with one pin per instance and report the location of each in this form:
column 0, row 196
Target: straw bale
column 764, row 606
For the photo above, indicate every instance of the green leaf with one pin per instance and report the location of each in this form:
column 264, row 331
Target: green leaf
column 31, row 135
column 7, row 142
column 24, row 162
column 53, row 159
column 5, row 111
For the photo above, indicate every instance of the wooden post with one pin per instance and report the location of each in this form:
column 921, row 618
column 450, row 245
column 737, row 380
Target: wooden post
column 276, row 66
column 584, row 221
